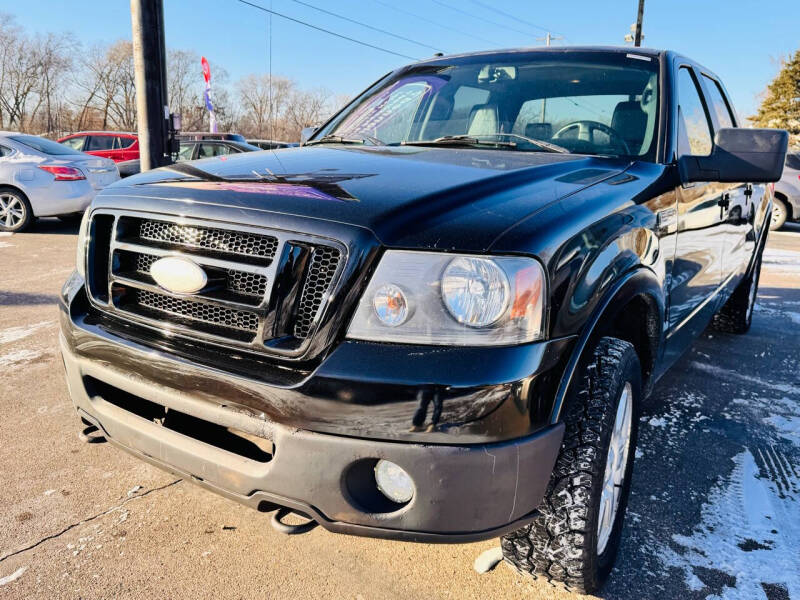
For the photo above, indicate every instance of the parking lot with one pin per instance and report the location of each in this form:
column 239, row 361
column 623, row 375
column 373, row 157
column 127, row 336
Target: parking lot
column 720, row 433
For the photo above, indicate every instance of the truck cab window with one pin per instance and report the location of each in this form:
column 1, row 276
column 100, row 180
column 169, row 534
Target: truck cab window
column 718, row 103
column 694, row 133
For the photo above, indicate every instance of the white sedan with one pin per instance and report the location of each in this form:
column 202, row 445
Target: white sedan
column 42, row 178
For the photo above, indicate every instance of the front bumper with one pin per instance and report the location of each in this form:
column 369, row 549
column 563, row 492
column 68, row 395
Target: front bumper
column 463, row 492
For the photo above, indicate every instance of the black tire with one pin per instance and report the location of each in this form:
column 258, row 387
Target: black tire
column 736, row 315
column 561, row 545
column 14, row 201
column 780, row 212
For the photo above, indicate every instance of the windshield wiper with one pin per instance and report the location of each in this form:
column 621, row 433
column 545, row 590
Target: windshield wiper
column 341, row 139
column 458, row 140
column 549, row 146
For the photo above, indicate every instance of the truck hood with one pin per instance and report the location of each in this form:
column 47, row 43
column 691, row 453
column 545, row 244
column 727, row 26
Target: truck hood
column 412, row 197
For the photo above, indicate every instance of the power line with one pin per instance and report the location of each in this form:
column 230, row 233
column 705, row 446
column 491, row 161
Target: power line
column 479, row 18
column 510, row 16
column 432, row 22
column 348, row 19
column 328, row 31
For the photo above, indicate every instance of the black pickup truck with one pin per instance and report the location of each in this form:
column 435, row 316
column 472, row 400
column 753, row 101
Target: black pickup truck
column 438, row 318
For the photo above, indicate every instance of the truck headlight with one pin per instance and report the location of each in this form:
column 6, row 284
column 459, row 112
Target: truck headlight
column 83, row 239
column 420, row 297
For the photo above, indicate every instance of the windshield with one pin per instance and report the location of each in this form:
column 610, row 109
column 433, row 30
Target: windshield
column 44, row 145
column 585, row 103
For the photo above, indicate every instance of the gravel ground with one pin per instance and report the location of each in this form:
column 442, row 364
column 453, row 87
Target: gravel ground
column 715, row 509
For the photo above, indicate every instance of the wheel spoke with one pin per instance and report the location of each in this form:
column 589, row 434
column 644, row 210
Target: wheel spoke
column 616, row 463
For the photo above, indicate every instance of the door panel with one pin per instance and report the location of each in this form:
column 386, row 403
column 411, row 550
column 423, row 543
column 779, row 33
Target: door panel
column 737, row 206
column 697, row 272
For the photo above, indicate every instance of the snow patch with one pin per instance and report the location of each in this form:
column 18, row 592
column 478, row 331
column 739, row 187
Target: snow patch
column 12, row 334
column 784, row 388
column 18, row 356
column 15, row 575
column 748, row 530
column 788, row 427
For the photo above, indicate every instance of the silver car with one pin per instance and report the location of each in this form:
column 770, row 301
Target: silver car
column 42, row 178
column 786, row 206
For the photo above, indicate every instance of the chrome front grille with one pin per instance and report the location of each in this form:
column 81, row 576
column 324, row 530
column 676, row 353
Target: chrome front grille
column 320, row 274
column 215, row 239
column 198, row 311
column 242, row 265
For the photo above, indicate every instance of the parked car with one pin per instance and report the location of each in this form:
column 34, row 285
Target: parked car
column 41, row 178
column 205, row 135
column 786, row 206
column 438, row 319
column 116, row 145
column 272, row 144
column 190, row 150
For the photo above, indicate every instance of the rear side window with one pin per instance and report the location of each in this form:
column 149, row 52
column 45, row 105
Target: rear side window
column 100, row 142
column 718, row 103
column 694, row 132
column 207, row 150
column 186, row 150
column 121, row 142
column 76, row 143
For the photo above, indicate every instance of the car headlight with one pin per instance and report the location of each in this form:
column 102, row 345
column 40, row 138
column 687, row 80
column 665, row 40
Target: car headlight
column 436, row 298
column 83, row 238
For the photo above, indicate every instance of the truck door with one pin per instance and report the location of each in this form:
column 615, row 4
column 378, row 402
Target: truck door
column 697, row 269
column 738, row 210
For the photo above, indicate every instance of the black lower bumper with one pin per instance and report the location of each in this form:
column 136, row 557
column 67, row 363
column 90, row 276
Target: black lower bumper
column 463, row 493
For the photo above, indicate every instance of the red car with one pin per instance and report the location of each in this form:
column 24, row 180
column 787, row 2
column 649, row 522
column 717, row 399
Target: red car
column 116, row 145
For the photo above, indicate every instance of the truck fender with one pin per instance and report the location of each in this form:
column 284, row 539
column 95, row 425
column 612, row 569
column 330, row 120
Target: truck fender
column 638, row 282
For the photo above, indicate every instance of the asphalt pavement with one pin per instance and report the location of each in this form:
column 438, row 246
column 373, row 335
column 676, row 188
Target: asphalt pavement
column 714, row 512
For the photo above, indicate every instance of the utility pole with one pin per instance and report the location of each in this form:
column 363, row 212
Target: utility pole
column 637, row 38
column 150, row 65
column 547, row 39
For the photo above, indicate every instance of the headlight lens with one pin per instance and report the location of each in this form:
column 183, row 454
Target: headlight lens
column 475, row 291
column 83, row 238
column 437, row 298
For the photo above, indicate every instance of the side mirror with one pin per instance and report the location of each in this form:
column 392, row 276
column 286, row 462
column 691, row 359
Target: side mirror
column 306, row 133
column 739, row 155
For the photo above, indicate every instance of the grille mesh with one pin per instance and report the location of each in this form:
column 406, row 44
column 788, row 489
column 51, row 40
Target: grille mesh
column 220, row 240
column 198, row 311
column 251, row 284
column 320, row 275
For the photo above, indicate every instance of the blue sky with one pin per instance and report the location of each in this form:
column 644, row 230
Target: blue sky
column 739, row 40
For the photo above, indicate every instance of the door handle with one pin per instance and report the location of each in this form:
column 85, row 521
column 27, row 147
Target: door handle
column 724, row 202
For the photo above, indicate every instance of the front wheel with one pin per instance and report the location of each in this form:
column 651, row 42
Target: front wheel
column 779, row 214
column 575, row 538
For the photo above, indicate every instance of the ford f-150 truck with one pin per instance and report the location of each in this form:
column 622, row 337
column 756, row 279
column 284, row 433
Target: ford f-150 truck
column 437, row 319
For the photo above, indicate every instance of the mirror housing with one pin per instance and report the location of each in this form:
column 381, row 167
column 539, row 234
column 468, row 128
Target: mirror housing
column 306, row 133
column 739, row 155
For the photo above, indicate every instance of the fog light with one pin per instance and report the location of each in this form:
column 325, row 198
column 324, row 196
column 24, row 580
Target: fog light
column 394, row 482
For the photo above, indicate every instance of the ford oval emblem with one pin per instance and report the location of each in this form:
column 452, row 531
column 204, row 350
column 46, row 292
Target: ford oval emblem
column 178, row 275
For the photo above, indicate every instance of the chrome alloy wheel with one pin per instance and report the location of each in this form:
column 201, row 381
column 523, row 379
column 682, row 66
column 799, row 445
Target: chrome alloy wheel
column 616, row 462
column 12, row 211
column 778, row 216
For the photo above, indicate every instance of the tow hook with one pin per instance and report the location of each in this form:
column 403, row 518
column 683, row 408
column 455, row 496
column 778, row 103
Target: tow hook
column 91, row 434
column 287, row 529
